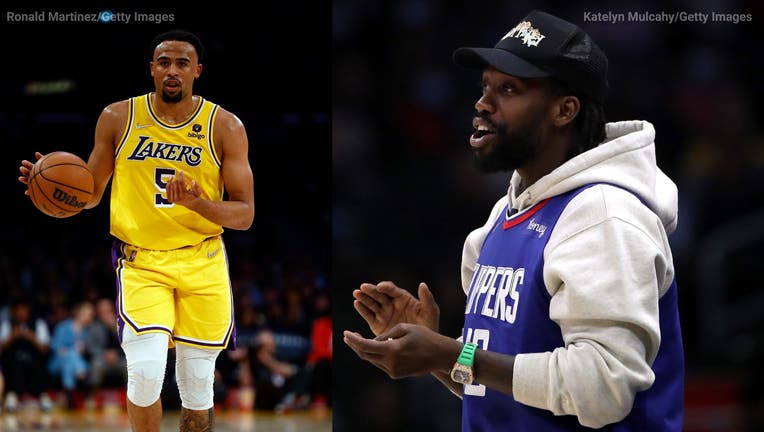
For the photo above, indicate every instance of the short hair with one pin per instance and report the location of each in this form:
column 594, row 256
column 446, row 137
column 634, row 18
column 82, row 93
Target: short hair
column 589, row 124
column 179, row 35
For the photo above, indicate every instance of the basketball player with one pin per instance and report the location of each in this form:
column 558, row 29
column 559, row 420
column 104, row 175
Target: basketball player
column 173, row 155
column 571, row 318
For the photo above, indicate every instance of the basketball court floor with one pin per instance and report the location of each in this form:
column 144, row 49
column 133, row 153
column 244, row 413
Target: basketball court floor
column 316, row 420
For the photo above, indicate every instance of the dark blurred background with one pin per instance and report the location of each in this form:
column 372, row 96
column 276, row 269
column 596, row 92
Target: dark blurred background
column 270, row 67
column 406, row 193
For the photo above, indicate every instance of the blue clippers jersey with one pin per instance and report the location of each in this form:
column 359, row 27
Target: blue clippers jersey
column 508, row 312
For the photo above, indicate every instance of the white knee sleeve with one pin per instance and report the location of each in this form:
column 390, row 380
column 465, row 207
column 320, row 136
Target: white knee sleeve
column 195, row 372
column 146, row 361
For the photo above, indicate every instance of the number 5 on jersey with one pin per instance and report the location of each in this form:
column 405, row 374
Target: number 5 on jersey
column 161, row 176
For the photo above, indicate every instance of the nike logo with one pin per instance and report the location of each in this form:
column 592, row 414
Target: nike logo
column 143, row 126
column 213, row 253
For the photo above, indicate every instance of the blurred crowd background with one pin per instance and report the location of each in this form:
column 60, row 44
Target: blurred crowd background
column 57, row 283
column 406, row 192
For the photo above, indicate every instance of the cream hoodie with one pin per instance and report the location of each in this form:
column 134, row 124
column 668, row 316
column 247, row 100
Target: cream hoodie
column 609, row 324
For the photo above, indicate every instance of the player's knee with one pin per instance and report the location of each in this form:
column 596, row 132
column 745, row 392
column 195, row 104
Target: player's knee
column 144, row 381
column 195, row 373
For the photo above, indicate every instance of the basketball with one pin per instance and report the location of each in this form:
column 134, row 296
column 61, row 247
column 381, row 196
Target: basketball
column 60, row 184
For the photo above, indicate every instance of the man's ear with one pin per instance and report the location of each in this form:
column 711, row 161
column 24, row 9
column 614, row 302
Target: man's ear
column 565, row 110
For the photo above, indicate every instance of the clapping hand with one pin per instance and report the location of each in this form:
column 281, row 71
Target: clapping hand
column 385, row 304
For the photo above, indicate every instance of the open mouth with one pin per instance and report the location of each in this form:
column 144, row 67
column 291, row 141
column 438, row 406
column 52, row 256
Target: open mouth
column 481, row 131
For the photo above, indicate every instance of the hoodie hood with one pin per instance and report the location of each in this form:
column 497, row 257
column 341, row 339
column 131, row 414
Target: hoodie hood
column 626, row 158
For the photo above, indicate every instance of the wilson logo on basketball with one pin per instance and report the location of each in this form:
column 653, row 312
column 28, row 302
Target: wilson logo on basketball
column 70, row 200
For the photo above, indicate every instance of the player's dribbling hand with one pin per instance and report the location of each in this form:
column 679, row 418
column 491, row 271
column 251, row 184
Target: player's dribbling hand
column 385, row 304
column 26, row 168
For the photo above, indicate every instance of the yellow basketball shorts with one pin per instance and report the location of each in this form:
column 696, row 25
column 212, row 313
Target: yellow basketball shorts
column 184, row 292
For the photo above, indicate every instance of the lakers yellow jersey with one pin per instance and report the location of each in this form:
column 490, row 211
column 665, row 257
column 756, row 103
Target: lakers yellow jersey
column 151, row 152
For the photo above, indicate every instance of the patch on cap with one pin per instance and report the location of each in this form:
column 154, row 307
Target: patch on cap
column 530, row 36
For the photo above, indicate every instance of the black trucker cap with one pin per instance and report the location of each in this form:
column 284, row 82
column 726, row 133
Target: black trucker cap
column 543, row 45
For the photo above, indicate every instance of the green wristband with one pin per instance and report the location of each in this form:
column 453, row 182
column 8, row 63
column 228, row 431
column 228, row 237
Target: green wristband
column 467, row 356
